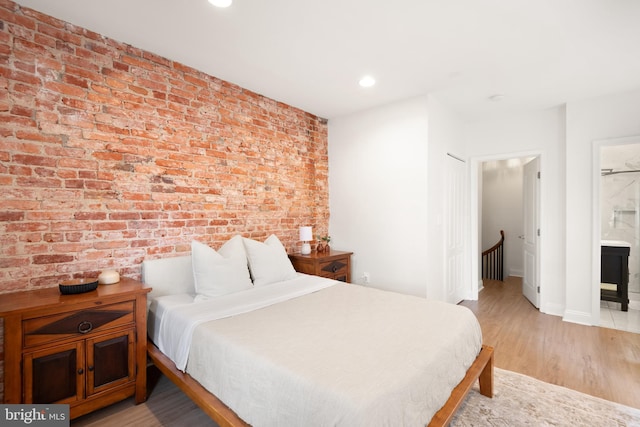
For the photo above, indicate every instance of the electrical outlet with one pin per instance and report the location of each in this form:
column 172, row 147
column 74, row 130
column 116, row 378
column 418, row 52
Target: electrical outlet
column 366, row 279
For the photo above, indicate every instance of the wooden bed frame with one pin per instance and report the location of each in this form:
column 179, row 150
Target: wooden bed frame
column 481, row 370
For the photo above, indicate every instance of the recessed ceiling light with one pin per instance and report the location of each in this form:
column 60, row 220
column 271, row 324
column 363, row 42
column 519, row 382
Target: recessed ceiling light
column 221, row 3
column 367, row 81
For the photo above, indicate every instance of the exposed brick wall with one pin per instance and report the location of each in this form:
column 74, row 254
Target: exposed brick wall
column 110, row 154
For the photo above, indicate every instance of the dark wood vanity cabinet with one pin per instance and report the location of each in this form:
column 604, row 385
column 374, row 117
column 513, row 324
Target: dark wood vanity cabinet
column 614, row 270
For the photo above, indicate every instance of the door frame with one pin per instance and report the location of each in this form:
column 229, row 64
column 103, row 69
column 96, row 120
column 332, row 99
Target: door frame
column 475, row 234
column 596, row 215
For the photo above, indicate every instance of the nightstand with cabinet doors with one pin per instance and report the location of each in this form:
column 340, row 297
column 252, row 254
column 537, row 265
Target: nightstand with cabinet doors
column 86, row 350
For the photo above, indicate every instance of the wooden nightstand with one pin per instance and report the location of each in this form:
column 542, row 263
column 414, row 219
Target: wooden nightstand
column 332, row 264
column 86, row 350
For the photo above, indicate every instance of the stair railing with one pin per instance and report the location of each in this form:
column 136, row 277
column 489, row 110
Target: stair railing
column 493, row 261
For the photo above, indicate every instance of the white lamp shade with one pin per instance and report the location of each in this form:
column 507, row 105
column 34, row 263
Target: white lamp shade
column 306, row 234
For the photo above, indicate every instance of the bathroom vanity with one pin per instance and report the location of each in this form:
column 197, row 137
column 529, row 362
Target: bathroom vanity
column 614, row 272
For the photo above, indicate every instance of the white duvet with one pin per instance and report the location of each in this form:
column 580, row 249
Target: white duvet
column 343, row 355
column 180, row 314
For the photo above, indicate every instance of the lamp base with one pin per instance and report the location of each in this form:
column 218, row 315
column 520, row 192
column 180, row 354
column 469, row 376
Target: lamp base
column 306, row 249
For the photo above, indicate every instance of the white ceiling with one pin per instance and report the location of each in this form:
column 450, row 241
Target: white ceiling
column 311, row 54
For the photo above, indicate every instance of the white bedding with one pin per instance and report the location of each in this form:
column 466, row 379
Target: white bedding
column 344, row 355
column 180, row 314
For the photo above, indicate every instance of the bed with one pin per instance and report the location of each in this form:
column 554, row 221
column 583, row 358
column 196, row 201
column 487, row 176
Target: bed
column 295, row 349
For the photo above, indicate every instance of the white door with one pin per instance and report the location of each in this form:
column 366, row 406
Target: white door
column 531, row 211
column 455, row 229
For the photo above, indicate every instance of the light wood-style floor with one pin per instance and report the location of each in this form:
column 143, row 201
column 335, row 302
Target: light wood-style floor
column 597, row 361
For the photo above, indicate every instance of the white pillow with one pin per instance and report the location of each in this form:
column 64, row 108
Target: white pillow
column 268, row 261
column 220, row 273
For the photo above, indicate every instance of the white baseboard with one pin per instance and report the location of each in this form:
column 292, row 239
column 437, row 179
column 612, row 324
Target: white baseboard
column 552, row 309
column 516, row 272
column 580, row 317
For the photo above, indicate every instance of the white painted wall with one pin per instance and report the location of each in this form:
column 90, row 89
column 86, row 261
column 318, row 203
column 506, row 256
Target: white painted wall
column 378, row 194
column 502, row 210
column 386, row 199
column 607, row 117
column 535, row 133
column 385, row 193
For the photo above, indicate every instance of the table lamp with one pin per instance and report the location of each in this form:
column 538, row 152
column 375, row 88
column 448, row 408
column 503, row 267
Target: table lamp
column 306, row 235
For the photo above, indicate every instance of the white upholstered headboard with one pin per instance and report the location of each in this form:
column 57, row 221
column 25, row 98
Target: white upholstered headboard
column 168, row 276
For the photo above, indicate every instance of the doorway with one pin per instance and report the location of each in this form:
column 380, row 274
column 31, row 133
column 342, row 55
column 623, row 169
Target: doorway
column 618, row 221
column 500, row 205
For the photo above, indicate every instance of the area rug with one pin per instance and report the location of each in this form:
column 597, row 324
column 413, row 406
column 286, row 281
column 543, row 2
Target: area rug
column 520, row 400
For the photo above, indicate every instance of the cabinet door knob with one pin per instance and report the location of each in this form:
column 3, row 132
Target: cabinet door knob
column 85, row 327
column 90, row 368
column 80, row 371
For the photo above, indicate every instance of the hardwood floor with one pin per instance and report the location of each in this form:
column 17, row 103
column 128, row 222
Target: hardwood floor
column 167, row 406
column 598, row 361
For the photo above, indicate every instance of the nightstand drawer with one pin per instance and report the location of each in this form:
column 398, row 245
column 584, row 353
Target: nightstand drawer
column 333, row 269
column 76, row 323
